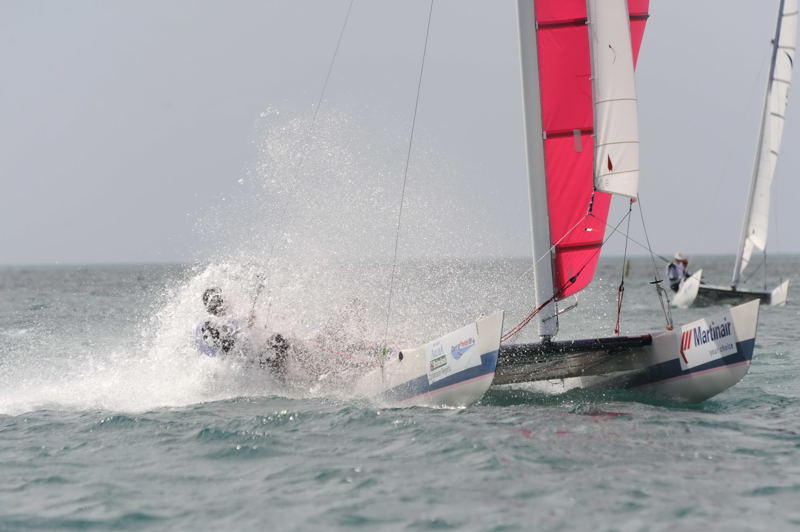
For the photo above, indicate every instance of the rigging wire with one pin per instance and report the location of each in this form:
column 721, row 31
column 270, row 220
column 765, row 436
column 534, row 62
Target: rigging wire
column 662, row 294
column 776, row 239
column 405, row 177
column 656, row 255
column 514, row 330
column 536, row 261
column 521, row 325
column 758, row 269
column 553, row 247
column 621, row 289
column 299, row 165
column 643, row 246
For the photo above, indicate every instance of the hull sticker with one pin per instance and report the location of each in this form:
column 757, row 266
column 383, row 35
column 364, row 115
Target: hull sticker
column 452, row 353
column 704, row 341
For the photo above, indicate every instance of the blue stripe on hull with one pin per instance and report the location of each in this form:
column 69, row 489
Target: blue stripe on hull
column 420, row 385
column 672, row 369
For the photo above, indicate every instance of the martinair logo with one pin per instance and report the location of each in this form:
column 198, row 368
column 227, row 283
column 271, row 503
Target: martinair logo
column 457, row 351
column 686, row 341
column 700, row 335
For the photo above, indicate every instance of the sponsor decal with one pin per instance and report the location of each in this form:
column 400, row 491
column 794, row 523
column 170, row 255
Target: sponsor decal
column 458, row 350
column 452, row 353
column 704, row 341
column 438, row 358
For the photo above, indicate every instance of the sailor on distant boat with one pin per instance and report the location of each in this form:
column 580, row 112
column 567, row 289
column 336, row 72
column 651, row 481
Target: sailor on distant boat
column 677, row 271
column 220, row 335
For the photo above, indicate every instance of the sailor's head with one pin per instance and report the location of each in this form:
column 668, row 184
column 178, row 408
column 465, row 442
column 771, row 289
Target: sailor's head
column 212, row 299
column 680, row 257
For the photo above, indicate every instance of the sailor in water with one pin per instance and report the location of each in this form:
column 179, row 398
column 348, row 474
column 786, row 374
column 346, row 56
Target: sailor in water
column 677, row 271
column 222, row 336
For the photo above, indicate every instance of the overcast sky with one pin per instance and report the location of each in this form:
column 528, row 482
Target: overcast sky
column 128, row 126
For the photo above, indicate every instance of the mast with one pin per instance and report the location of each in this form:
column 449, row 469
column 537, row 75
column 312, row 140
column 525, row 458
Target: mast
column 547, row 318
column 755, row 223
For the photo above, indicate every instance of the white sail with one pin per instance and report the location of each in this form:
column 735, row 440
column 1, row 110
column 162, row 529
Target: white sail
column 616, row 144
column 754, row 233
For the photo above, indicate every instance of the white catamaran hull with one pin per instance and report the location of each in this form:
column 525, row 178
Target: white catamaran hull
column 687, row 292
column 454, row 370
column 710, row 294
column 692, row 363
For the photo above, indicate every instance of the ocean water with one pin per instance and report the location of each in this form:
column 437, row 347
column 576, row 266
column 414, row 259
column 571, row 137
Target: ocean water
column 110, row 420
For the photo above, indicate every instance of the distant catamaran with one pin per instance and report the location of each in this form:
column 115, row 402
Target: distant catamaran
column 582, row 142
column 756, row 214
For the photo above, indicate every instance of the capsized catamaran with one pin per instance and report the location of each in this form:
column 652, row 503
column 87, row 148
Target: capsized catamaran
column 582, row 145
column 756, row 214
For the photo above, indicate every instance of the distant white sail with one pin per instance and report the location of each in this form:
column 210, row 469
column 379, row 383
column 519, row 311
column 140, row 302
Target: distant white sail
column 616, row 134
column 754, row 234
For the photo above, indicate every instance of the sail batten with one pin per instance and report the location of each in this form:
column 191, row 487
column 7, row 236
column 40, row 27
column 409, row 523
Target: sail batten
column 756, row 219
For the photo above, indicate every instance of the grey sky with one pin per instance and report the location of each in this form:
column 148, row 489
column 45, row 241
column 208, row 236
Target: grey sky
column 125, row 124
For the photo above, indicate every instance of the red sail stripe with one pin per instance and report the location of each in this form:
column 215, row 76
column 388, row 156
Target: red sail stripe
column 566, row 93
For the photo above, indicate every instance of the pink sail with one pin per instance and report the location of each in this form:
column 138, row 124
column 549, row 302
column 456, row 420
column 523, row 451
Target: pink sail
column 577, row 213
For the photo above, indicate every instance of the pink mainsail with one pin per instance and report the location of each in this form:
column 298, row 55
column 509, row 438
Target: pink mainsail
column 577, row 213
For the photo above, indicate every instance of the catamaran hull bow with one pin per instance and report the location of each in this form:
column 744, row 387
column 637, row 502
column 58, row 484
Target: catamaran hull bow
column 454, row 370
column 692, row 363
